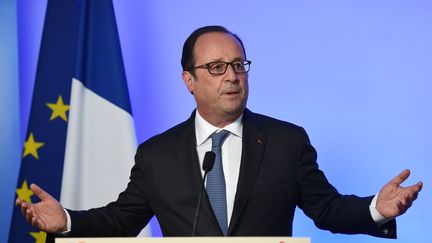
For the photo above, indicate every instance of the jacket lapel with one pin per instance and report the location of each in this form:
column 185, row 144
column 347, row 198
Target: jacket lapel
column 185, row 149
column 253, row 146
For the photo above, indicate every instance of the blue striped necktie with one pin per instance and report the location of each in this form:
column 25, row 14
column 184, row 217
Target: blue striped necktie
column 216, row 189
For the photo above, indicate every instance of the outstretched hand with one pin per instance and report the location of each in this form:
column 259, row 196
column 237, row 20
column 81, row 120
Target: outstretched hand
column 393, row 199
column 47, row 215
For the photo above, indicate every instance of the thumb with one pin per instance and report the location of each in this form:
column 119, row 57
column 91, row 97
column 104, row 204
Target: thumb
column 401, row 177
column 39, row 192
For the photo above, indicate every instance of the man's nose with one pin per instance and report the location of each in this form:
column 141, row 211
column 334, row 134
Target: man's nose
column 231, row 75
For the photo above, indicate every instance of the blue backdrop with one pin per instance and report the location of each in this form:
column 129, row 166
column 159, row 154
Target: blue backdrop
column 10, row 146
column 356, row 74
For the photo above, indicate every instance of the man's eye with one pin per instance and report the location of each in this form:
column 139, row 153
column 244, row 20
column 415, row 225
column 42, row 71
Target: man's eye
column 218, row 66
column 238, row 66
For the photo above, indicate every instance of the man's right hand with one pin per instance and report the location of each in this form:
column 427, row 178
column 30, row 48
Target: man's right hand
column 47, row 215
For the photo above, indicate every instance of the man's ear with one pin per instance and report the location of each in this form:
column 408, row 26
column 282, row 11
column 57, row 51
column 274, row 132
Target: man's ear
column 188, row 80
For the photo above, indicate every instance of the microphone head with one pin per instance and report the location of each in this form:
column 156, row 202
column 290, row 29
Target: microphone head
column 209, row 159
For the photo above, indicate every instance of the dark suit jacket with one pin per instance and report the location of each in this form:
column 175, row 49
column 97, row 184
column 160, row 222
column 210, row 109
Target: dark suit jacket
column 278, row 172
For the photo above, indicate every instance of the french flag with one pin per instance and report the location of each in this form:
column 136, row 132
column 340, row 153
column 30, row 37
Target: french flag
column 101, row 140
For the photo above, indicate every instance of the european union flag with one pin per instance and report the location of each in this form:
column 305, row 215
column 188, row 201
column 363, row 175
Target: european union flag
column 81, row 138
column 43, row 154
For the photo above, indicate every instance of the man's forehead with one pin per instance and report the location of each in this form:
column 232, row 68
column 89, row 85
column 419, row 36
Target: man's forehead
column 217, row 43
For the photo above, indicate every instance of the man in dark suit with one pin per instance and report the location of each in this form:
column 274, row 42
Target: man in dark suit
column 264, row 168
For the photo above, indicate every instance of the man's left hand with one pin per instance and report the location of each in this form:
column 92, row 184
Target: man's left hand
column 393, row 199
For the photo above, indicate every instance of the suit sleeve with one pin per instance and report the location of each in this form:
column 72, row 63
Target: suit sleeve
column 347, row 214
column 125, row 217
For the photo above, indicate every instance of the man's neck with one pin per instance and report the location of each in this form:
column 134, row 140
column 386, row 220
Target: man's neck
column 220, row 122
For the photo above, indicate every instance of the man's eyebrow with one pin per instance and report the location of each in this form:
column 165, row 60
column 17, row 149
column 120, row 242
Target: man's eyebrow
column 232, row 60
column 238, row 59
column 220, row 59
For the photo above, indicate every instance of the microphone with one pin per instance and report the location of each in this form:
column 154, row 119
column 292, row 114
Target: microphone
column 208, row 162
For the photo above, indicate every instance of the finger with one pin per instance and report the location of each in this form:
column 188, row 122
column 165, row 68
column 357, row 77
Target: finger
column 34, row 222
column 409, row 203
column 414, row 196
column 407, row 199
column 411, row 190
column 18, row 202
column 24, row 207
column 41, row 225
column 403, row 199
column 400, row 207
column 401, row 177
column 28, row 215
column 419, row 185
column 39, row 192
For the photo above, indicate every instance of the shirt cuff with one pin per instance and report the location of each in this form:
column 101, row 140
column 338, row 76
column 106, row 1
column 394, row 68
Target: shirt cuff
column 69, row 224
column 376, row 216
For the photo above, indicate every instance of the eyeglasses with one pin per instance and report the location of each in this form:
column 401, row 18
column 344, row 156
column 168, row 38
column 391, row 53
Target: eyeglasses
column 220, row 67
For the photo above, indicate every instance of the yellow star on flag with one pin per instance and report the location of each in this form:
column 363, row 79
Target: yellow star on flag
column 31, row 147
column 39, row 236
column 24, row 193
column 58, row 109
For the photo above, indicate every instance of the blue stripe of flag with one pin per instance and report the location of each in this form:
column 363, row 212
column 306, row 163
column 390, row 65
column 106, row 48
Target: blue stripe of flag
column 99, row 61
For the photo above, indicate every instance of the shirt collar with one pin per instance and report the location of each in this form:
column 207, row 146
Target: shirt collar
column 204, row 130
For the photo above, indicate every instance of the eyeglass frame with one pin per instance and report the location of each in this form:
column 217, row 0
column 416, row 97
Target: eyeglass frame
column 207, row 66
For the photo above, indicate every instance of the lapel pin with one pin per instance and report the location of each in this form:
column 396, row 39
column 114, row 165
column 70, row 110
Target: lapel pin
column 259, row 141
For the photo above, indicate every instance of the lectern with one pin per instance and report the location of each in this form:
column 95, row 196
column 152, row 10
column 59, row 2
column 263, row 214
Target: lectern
column 280, row 239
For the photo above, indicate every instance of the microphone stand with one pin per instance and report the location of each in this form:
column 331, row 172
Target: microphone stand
column 208, row 163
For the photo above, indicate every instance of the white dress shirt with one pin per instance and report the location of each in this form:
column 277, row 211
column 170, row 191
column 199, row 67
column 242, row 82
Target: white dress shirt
column 231, row 153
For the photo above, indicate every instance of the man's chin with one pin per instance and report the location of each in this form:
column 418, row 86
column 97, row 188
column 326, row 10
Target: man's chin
column 234, row 110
